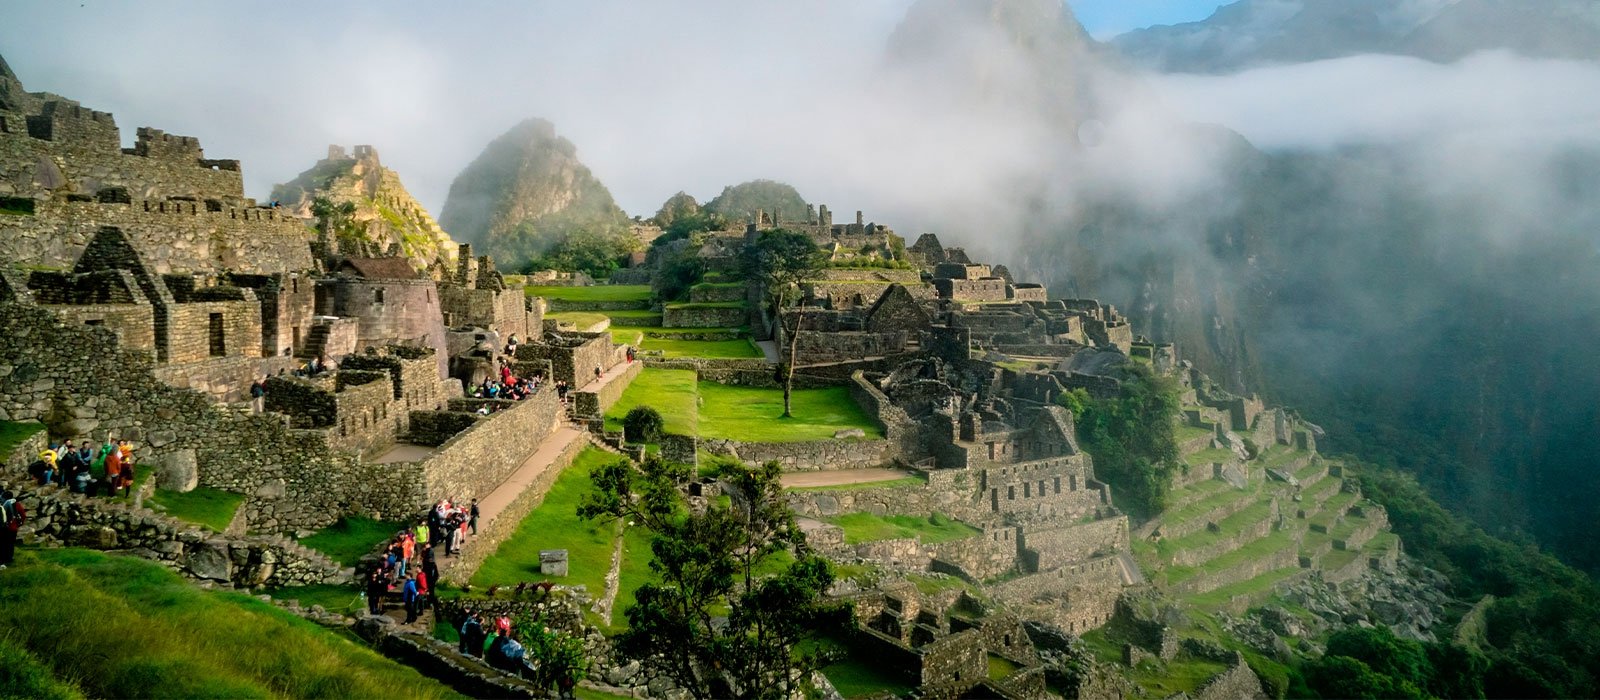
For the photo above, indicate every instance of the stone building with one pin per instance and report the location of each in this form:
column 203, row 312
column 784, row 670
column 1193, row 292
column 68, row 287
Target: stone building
column 391, row 302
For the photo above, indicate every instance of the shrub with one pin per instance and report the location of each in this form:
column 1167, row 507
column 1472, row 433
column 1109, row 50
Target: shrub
column 642, row 424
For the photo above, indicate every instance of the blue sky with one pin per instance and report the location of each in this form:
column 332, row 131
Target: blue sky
column 1107, row 18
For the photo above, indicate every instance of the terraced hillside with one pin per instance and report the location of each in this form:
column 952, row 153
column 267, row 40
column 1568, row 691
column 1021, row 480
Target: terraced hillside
column 631, row 315
column 1238, row 525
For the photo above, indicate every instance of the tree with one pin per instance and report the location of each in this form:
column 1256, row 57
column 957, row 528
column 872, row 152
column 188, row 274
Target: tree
column 708, row 561
column 779, row 260
column 557, row 657
column 336, row 221
column 1131, row 437
column 643, row 424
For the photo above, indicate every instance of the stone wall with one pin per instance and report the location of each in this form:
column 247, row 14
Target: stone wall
column 391, row 312
column 697, row 316
column 817, row 348
column 475, row 461
column 133, row 324
column 459, row 570
column 1051, row 548
column 67, row 519
column 815, row 455
column 592, row 402
column 1236, row 683
column 502, row 311
column 980, row 557
column 75, row 380
column 993, row 289
column 571, row 356
column 224, row 379
column 434, row 428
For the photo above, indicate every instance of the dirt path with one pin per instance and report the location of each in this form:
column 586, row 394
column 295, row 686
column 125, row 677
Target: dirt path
column 841, row 477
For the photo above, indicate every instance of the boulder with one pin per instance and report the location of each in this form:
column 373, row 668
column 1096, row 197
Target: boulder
column 179, row 471
column 101, row 537
column 210, row 560
column 850, row 433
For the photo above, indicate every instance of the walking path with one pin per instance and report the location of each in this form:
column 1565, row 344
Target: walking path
column 841, row 477
column 532, row 468
column 769, row 349
column 605, row 378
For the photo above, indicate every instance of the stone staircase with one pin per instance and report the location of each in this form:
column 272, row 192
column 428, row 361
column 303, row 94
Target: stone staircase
column 316, row 341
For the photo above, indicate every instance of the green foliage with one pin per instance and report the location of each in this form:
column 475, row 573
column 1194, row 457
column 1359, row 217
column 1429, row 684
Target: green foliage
column 351, row 537
column 670, row 391
column 122, row 627
column 338, row 221
column 599, row 292
column 709, row 561
column 676, row 276
column 687, row 225
column 779, row 259
column 595, row 252
column 212, row 508
column 1131, row 438
column 677, row 207
column 556, row 656
column 642, row 424
column 740, row 202
column 1544, row 625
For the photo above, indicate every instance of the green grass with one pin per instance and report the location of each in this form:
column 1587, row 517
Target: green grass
column 1185, row 433
column 1227, row 527
column 710, row 349
column 209, row 507
column 905, row 482
column 583, row 693
column 1207, row 456
column 584, row 320
column 631, row 315
column 707, row 305
column 109, row 626
column 1173, row 677
column 605, row 292
column 1000, row 667
column 752, row 414
column 866, row 527
column 353, row 536
column 1258, row 585
column 13, row 433
column 1227, row 494
column 670, row 391
column 857, row 677
column 555, row 525
column 346, row 600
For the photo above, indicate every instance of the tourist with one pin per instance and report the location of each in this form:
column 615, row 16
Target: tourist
column 377, row 588
column 408, row 595
column 15, row 516
column 113, row 459
column 84, row 476
column 430, row 567
column 472, row 519
column 43, row 469
column 597, row 373
column 258, row 395
column 472, row 635
column 420, row 532
column 400, row 553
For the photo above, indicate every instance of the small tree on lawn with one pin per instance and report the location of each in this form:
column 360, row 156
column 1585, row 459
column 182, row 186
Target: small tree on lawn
column 643, row 424
column 705, row 563
column 779, row 260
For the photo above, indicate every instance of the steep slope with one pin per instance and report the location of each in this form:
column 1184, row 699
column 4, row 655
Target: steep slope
column 392, row 218
column 1252, row 33
column 525, row 193
column 740, row 202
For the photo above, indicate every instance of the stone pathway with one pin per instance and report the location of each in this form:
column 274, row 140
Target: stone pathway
column 404, row 452
column 841, row 477
column 769, row 349
column 532, row 468
column 605, row 378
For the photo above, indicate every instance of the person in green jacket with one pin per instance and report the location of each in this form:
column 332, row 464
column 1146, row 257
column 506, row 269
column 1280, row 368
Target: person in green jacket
column 421, row 532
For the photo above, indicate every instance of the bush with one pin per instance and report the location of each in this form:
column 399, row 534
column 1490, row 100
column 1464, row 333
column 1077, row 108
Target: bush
column 643, row 424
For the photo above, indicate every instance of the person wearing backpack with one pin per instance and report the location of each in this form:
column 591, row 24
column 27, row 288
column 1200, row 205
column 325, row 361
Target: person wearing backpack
column 258, row 395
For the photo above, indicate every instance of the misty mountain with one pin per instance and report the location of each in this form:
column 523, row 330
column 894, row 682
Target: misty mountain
column 740, row 202
column 1252, row 33
column 525, row 193
column 1431, row 302
column 391, row 217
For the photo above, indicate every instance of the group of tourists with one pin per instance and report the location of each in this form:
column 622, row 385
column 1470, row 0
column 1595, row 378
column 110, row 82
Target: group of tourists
column 506, row 385
column 408, row 565
column 86, row 468
column 498, row 647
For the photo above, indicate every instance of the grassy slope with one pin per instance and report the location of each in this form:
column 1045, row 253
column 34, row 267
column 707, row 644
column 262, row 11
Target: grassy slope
column 13, row 433
column 205, row 506
column 866, row 527
column 606, row 292
column 353, row 536
column 751, row 414
column 122, row 627
column 717, row 349
column 555, row 525
column 669, row 391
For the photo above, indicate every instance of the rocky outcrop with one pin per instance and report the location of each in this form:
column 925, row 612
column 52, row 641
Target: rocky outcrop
column 525, row 192
column 740, row 202
column 393, row 222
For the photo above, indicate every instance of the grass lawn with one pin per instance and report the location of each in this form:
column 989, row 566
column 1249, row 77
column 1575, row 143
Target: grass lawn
column 866, row 527
column 339, row 599
column 584, row 320
column 1000, row 667
column 707, row 305
column 212, row 508
column 1185, row 433
column 670, row 391
column 752, row 414
column 353, row 536
column 555, row 525
column 890, row 484
column 83, row 623
column 720, row 349
column 857, row 677
column 13, row 433
column 604, row 292
column 626, row 336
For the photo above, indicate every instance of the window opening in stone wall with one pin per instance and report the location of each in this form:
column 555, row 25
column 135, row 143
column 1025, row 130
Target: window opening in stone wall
column 94, row 322
column 294, row 285
column 377, row 296
column 294, row 336
column 17, row 206
column 219, row 346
